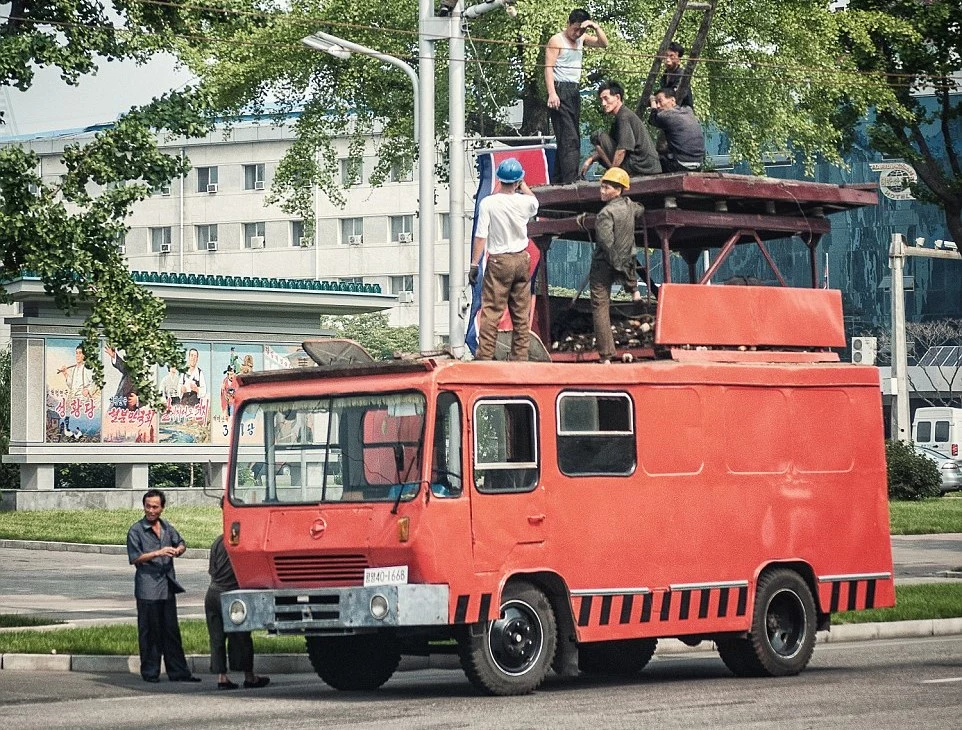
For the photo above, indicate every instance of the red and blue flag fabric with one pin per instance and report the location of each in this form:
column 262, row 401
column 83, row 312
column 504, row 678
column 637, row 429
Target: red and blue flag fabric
column 536, row 161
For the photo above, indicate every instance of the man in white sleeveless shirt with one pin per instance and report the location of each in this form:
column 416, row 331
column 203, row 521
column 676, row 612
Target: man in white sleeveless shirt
column 562, row 77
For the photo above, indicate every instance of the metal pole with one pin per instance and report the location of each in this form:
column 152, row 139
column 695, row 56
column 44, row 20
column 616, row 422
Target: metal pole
column 900, row 408
column 456, row 147
column 426, row 224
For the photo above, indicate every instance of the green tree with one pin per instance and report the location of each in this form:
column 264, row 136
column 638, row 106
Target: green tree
column 774, row 73
column 67, row 231
column 372, row 332
column 926, row 63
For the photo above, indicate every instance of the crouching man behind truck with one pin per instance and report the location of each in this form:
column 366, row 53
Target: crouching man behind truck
column 614, row 256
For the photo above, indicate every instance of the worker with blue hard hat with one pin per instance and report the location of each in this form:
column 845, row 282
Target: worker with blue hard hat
column 502, row 230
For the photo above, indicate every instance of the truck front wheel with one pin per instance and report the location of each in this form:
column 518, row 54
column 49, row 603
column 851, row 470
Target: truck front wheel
column 354, row 663
column 512, row 654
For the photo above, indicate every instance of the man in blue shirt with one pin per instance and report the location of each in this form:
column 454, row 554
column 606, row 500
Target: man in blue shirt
column 152, row 545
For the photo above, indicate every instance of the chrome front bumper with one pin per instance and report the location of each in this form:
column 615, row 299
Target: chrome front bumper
column 298, row 611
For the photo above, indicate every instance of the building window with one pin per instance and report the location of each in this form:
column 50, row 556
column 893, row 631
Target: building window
column 445, row 226
column 402, row 283
column 401, row 173
column 402, row 228
column 351, row 279
column 352, row 171
column 596, row 434
column 254, row 235
column 444, row 287
column 505, row 446
column 206, row 179
column 159, row 238
column 254, row 177
column 163, row 190
column 206, row 237
column 352, row 231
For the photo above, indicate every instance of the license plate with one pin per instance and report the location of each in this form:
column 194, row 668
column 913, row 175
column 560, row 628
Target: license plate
column 393, row 576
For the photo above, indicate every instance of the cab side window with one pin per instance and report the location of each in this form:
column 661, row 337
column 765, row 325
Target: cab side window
column 446, row 464
column 505, row 446
column 596, row 434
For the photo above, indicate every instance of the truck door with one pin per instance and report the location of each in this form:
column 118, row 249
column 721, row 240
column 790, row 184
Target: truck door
column 507, row 499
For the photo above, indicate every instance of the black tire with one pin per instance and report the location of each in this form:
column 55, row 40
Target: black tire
column 782, row 636
column 354, row 663
column 512, row 654
column 624, row 658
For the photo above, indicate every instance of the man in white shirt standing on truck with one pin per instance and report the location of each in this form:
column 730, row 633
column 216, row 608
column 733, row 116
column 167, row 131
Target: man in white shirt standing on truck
column 562, row 78
column 502, row 228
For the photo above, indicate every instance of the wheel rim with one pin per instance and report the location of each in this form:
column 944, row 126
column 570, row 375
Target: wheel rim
column 516, row 639
column 785, row 623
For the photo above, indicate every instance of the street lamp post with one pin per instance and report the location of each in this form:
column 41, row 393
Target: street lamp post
column 424, row 133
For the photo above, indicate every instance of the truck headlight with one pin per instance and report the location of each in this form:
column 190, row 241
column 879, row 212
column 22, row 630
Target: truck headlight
column 379, row 606
column 237, row 612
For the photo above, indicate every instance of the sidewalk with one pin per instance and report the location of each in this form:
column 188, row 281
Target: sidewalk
column 922, row 558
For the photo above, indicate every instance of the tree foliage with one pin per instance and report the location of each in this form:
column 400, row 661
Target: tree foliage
column 774, row 73
column 9, row 473
column 67, row 231
column 373, row 333
column 924, row 63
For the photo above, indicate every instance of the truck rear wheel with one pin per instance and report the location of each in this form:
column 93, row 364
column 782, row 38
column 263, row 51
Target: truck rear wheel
column 623, row 658
column 782, row 636
column 512, row 654
column 354, row 663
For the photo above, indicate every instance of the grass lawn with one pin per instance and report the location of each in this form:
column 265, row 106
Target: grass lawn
column 121, row 639
column 926, row 517
column 198, row 525
column 912, row 602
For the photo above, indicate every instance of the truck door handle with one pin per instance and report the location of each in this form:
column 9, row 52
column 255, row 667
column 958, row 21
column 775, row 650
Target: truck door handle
column 535, row 519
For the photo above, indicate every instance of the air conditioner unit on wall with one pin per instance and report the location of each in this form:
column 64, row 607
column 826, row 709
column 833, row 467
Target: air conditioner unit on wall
column 165, row 190
column 355, row 240
column 258, row 185
column 257, row 242
column 212, row 188
column 864, row 350
column 405, row 297
column 165, row 248
column 405, row 237
column 305, row 242
column 212, row 245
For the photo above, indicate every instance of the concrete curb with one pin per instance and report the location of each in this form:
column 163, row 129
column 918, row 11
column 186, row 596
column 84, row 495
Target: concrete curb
column 74, row 547
column 300, row 664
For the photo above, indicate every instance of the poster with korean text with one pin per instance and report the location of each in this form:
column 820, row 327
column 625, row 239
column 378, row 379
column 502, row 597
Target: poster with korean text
column 72, row 398
column 186, row 415
column 229, row 361
column 128, row 418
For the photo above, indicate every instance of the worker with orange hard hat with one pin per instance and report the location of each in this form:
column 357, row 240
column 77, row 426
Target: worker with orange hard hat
column 613, row 260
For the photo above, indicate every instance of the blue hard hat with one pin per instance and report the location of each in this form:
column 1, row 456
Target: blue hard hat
column 510, row 171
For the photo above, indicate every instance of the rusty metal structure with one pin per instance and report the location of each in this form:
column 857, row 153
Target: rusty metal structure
column 692, row 212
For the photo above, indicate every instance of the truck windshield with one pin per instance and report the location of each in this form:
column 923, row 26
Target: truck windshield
column 363, row 448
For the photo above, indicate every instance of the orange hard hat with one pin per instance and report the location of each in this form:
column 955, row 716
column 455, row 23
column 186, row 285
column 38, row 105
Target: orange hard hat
column 618, row 176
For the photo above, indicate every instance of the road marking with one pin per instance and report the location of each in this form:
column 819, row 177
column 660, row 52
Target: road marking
column 942, row 681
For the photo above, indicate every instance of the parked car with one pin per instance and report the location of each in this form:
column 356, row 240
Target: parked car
column 949, row 469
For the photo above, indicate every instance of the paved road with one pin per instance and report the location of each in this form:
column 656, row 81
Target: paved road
column 91, row 587
column 865, row 686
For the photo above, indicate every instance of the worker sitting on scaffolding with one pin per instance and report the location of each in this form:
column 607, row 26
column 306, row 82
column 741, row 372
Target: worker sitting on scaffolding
column 613, row 260
column 627, row 145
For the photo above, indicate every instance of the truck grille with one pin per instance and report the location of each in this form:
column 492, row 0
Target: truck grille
column 340, row 570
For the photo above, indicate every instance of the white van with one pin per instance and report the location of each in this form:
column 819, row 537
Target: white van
column 939, row 429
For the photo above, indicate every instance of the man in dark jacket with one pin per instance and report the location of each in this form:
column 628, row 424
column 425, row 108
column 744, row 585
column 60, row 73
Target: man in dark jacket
column 627, row 145
column 674, row 73
column 614, row 256
column 683, row 147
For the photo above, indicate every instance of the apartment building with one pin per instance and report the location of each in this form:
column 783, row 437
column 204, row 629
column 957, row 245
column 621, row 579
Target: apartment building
column 216, row 220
